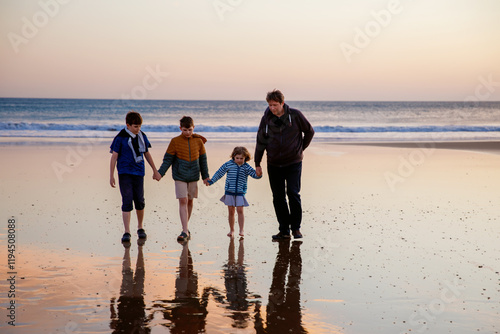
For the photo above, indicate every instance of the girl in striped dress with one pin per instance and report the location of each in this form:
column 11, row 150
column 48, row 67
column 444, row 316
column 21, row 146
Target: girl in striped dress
column 237, row 170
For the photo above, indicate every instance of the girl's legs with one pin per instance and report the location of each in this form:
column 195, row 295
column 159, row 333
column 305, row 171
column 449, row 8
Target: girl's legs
column 230, row 218
column 241, row 220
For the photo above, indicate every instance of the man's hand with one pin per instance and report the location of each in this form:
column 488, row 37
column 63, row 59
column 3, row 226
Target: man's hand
column 112, row 181
column 258, row 171
column 205, row 182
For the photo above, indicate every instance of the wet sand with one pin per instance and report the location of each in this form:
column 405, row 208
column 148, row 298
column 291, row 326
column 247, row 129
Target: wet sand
column 398, row 239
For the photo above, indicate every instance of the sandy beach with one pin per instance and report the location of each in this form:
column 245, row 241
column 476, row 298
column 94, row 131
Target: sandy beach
column 398, row 238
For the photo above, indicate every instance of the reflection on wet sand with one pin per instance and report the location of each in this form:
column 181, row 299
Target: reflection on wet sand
column 187, row 312
column 283, row 312
column 235, row 281
column 131, row 315
column 237, row 300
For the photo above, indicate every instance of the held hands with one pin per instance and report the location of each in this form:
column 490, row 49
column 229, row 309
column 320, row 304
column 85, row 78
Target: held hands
column 205, row 182
column 156, row 175
column 258, row 171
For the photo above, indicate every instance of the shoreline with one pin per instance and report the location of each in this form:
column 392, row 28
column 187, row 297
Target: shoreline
column 488, row 145
column 484, row 146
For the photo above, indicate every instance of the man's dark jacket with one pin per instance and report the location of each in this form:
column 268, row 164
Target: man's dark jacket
column 283, row 138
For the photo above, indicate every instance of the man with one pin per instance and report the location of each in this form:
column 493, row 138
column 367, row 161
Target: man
column 284, row 133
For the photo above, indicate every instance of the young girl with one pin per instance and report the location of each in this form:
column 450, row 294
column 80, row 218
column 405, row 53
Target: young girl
column 237, row 171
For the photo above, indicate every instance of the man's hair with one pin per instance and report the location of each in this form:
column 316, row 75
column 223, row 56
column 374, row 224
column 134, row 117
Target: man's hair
column 186, row 122
column 243, row 151
column 133, row 118
column 275, row 95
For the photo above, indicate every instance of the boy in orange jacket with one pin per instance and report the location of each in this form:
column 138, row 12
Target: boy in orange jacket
column 188, row 158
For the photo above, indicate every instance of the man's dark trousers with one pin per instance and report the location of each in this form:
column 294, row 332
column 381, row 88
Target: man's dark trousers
column 285, row 181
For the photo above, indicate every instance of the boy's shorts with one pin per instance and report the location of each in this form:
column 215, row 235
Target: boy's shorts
column 132, row 190
column 186, row 189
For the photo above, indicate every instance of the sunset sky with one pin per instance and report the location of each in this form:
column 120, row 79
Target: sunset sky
column 239, row 49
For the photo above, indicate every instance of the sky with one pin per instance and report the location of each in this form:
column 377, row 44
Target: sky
column 342, row 50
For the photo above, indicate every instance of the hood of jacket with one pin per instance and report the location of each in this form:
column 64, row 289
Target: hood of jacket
column 195, row 135
column 280, row 122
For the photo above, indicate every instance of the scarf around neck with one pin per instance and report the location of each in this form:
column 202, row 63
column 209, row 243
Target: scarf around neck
column 136, row 144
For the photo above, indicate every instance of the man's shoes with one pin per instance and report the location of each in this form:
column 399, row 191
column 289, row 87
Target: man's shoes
column 141, row 233
column 281, row 236
column 183, row 236
column 126, row 237
column 296, row 234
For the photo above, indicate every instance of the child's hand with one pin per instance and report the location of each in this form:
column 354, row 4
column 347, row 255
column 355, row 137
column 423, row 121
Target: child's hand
column 206, row 181
column 156, row 176
column 258, row 171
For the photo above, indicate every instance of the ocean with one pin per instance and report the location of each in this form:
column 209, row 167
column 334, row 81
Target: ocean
column 221, row 120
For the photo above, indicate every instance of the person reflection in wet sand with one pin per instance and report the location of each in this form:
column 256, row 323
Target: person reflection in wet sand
column 283, row 313
column 187, row 312
column 235, row 281
column 131, row 316
column 237, row 299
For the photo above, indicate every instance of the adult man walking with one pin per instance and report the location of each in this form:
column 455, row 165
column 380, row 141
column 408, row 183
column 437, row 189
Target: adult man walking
column 284, row 133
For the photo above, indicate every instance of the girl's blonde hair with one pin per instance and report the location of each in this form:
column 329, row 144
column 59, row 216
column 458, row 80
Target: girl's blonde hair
column 241, row 150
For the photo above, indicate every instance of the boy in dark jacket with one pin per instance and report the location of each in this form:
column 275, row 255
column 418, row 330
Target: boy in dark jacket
column 284, row 133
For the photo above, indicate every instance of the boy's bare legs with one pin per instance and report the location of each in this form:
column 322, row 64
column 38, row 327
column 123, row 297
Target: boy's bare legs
column 241, row 220
column 230, row 218
column 185, row 210
column 190, row 208
column 140, row 218
column 126, row 221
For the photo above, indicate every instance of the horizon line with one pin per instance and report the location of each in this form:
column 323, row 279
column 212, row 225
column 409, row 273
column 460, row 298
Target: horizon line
column 235, row 100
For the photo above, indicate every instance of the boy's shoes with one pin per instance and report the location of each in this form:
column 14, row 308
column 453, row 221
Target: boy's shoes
column 281, row 236
column 296, row 234
column 141, row 233
column 126, row 237
column 183, row 236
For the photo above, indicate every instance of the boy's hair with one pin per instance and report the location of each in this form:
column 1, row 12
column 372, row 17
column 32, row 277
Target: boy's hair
column 133, row 118
column 275, row 95
column 243, row 151
column 186, row 122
